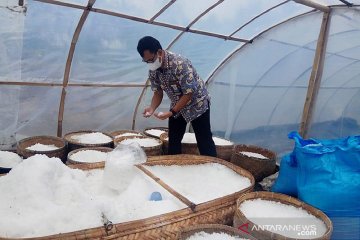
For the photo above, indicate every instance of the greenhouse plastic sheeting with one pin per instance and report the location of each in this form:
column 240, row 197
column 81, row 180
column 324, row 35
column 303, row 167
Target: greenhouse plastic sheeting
column 105, row 109
column 338, row 99
column 261, row 90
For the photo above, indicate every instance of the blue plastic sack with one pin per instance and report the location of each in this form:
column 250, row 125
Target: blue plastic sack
column 329, row 179
column 286, row 182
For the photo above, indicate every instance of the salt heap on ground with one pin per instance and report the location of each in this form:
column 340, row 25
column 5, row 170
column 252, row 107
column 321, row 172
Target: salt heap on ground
column 92, row 138
column 41, row 196
column 9, row 159
column 213, row 236
column 42, row 147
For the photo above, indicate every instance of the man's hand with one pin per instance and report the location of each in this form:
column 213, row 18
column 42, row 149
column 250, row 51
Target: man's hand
column 148, row 111
column 163, row 115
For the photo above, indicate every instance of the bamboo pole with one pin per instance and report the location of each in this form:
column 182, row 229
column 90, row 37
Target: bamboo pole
column 68, row 64
column 315, row 5
column 186, row 201
column 316, row 75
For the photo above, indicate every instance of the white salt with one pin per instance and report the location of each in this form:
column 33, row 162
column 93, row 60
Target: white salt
column 255, row 155
column 190, row 138
column 128, row 134
column 42, row 147
column 272, row 213
column 90, row 156
column 222, row 142
column 9, row 159
column 203, row 182
column 213, row 236
column 92, row 138
column 155, row 132
column 147, row 114
column 144, row 142
column 160, row 114
column 42, row 196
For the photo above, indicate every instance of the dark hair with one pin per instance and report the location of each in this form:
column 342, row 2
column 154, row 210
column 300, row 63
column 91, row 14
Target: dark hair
column 148, row 43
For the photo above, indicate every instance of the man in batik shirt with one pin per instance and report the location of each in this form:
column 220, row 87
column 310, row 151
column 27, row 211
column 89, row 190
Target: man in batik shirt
column 190, row 101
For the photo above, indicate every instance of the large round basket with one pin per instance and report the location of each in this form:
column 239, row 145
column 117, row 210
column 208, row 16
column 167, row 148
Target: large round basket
column 46, row 140
column 147, row 133
column 149, row 151
column 70, row 160
column 213, row 228
column 116, row 134
column 223, row 151
column 165, row 226
column 260, row 168
column 240, row 219
column 73, row 144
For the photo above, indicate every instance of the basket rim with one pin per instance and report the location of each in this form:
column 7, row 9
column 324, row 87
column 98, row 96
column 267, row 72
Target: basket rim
column 160, row 142
column 119, row 132
column 71, row 161
column 165, row 135
column 255, row 149
column 67, row 138
column 285, row 199
column 135, row 226
column 22, row 141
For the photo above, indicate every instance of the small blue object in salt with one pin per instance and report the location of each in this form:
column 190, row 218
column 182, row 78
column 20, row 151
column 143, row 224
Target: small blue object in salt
column 155, row 196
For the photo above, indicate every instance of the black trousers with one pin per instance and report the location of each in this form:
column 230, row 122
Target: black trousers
column 202, row 129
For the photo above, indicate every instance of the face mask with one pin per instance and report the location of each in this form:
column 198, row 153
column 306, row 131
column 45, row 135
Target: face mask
column 155, row 65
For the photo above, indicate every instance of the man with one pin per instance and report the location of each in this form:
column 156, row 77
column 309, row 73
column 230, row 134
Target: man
column 190, row 101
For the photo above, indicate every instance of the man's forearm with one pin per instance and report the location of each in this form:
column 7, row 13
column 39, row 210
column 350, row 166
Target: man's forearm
column 182, row 102
column 156, row 99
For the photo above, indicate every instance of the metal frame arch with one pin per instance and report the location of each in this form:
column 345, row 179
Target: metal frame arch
column 226, row 59
column 74, row 40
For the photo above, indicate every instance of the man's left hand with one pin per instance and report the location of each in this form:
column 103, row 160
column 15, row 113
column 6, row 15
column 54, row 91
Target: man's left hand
column 163, row 115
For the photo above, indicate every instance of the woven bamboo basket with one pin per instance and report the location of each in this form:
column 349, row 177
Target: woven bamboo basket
column 165, row 226
column 119, row 132
column 223, row 152
column 213, row 228
column 240, row 219
column 157, row 128
column 73, row 144
column 260, row 168
column 149, row 151
column 72, row 161
column 46, row 140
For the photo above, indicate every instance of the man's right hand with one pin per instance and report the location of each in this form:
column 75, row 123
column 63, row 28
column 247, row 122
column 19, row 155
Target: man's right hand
column 148, row 111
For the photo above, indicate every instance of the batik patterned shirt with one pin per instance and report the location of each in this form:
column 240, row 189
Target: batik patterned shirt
column 179, row 77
